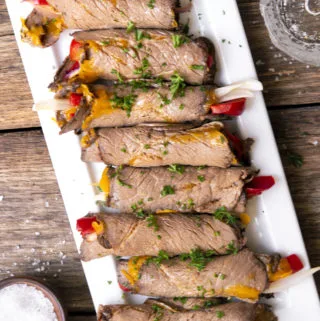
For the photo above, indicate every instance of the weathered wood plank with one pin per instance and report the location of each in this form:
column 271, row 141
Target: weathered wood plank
column 286, row 81
column 298, row 131
column 35, row 237
column 16, row 101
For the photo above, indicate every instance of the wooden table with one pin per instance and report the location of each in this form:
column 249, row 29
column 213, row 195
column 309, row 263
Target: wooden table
column 35, row 237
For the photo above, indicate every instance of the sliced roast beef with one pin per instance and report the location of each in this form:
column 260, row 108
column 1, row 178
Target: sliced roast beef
column 127, row 235
column 148, row 105
column 191, row 189
column 145, row 146
column 155, row 310
column 240, row 275
column 96, row 14
column 119, row 55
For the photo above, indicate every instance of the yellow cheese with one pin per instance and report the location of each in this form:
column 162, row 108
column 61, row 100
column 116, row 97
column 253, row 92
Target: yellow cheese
column 242, row 292
column 245, row 218
column 134, row 266
column 105, row 182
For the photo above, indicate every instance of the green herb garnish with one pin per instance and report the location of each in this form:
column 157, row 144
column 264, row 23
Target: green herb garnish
column 295, row 159
column 146, row 146
column 231, row 249
column 181, row 299
column 140, row 35
column 167, row 190
column 177, row 87
column 124, row 150
column 142, row 71
column 198, row 258
column 117, row 73
column 151, row 4
column 157, row 260
column 201, row 178
column 223, row 215
column 179, row 40
column 158, row 311
column 152, row 222
column 131, row 27
column 197, row 67
column 125, row 102
column 220, row 314
column 176, row 168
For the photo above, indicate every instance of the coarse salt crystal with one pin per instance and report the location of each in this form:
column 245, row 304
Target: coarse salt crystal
column 37, row 233
column 1, row 198
column 23, row 302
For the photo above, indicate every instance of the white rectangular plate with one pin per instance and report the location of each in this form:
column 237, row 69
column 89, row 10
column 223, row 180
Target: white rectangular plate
column 274, row 226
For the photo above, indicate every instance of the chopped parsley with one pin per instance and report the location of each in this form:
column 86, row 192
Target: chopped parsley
column 157, row 260
column 124, row 150
column 140, row 35
column 198, row 258
column 197, row 67
column 201, row 178
column 142, row 71
column 220, row 314
column 167, row 190
column 151, row 4
column 158, row 311
column 146, row 146
column 131, row 27
column 122, row 183
column 152, row 222
column 209, row 304
column 125, row 102
column 117, row 73
column 118, row 180
column 223, row 215
column 295, row 159
column 109, row 282
column 231, row 249
column 164, row 99
column 105, row 42
column 159, row 237
column 176, row 168
column 139, row 84
column 190, row 203
column 179, row 40
column 181, row 107
column 196, row 307
column 177, row 87
column 181, row 299
column 216, row 233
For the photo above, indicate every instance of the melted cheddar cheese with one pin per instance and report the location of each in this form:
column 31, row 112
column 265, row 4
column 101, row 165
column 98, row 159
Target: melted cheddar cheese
column 242, row 292
column 134, row 266
column 104, row 183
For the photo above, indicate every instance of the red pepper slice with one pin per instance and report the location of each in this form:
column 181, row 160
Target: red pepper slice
column 84, row 225
column 258, row 185
column 74, row 50
column 236, row 144
column 123, row 288
column 295, row 263
column 75, row 99
column 232, row 107
column 210, row 61
column 41, row 2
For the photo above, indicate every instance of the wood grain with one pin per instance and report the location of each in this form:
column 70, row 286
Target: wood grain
column 286, row 82
column 36, row 239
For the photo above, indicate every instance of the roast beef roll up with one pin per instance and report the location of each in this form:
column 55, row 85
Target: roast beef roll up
column 44, row 25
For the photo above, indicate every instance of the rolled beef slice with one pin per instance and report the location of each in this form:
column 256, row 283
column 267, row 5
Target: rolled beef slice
column 118, row 55
column 96, row 14
column 197, row 189
column 99, row 110
column 127, row 235
column 240, row 275
column 150, row 146
column 235, row 311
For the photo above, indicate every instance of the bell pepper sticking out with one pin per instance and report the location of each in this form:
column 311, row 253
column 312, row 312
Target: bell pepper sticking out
column 40, row 2
column 232, row 107
column 75, row 51
column 210, row 61
column 75, row 99
column 84, row 225
column 236, row 144
column 258, row 185
column 123, row 288
column 287, row 266
column 295, row 263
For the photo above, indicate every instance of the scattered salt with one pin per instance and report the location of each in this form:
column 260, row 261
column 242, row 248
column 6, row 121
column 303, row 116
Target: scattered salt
column 1, row 198
column 315, row 143
column 23, row 302
column 37, row 233
column 46, row 204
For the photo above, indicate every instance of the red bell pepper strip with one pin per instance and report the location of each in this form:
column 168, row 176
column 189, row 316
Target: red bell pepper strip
column 40, row 2
column 232, row 107
column 295, row 263
column 74, row 53
column 258, row 185
column 123, row 288
column 75, row 99
column 210, row 61
column 84, row 225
